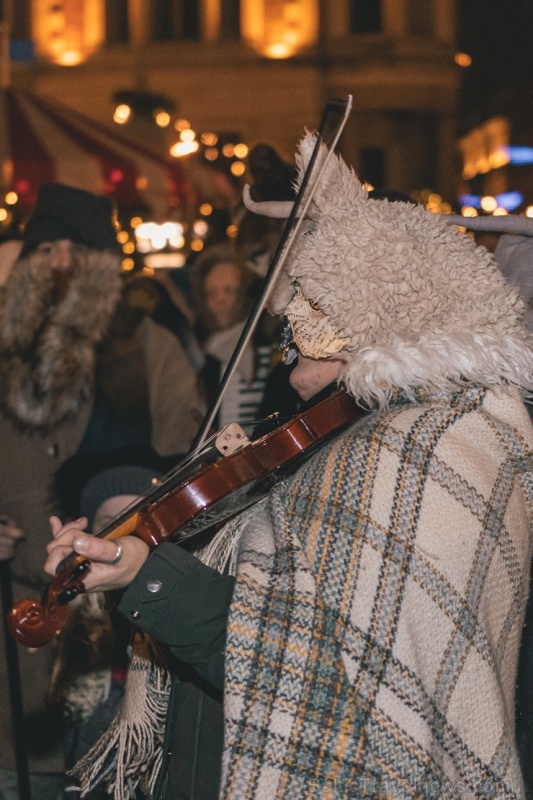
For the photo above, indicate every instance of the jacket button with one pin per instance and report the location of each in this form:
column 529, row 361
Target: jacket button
column 135, row 614
column 154, row 586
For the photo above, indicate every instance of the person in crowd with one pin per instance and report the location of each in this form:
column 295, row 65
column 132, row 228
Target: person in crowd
column 80, row 370
column 514, row 254
column 362, row 621
column 224, row 291
column 90, row 671
column 166, row 305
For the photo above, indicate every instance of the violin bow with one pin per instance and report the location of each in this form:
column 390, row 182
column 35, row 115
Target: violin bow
column 332, row 123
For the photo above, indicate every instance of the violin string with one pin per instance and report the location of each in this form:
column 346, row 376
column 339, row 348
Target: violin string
column 167, row 482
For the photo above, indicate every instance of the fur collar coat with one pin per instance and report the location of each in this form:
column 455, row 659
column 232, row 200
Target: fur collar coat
column 48, row 355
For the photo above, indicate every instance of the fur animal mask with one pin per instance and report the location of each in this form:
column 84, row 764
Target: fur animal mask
column 47, row 350
column 420, row 305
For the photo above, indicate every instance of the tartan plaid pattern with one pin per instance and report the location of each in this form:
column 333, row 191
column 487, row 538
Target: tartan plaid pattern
column 375, row 625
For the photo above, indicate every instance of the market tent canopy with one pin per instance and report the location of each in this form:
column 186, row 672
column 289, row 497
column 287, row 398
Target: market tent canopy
column 42, row 141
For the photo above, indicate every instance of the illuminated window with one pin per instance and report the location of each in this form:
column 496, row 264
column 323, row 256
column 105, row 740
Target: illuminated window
column 67, row 32
column 280, row 28
column 365, row 16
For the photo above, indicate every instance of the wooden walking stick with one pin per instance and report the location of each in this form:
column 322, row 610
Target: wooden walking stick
column 15, row 691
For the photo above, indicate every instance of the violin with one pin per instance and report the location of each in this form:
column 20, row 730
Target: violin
column 176, row 509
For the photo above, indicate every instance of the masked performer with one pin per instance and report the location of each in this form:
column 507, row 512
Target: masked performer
column 364, row 629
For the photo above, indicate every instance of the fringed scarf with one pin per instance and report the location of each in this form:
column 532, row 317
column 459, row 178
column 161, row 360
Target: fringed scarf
column 130, row 753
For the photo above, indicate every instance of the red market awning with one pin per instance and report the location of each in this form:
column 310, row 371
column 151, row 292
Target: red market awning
column 41, row 140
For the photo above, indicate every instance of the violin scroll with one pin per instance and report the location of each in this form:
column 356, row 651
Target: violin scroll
column 33, row 623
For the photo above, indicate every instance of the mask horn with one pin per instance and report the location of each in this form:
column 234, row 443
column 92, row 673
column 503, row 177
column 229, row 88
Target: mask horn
column 506, row 223
column 279, row 209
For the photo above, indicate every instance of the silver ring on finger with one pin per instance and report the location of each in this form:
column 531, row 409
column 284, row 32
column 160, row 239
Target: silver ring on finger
column 118, row 555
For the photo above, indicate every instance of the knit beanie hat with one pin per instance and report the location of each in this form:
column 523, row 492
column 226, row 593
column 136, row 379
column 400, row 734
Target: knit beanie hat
column 63, row 212
column 121, row 480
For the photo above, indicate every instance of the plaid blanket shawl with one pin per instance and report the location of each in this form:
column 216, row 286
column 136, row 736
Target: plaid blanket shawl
column 374, row 632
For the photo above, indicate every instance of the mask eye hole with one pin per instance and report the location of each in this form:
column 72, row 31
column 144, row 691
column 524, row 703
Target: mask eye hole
column 286, row 338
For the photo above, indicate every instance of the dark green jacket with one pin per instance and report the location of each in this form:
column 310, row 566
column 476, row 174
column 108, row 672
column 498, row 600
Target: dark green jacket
column 184, row 605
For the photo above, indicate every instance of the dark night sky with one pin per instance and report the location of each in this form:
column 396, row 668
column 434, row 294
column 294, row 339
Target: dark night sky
column 498, row 34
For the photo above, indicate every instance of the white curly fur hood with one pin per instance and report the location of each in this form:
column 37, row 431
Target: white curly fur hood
column 422, row 306
column 47, row 351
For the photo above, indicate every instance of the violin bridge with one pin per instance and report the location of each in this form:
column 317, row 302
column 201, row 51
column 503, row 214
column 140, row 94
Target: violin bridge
column 230, row 439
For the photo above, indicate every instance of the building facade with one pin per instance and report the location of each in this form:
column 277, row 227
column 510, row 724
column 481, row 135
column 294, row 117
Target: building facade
column 497, row 168
column 262, row 69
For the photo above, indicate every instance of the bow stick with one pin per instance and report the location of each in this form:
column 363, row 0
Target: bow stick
column 339, row 111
